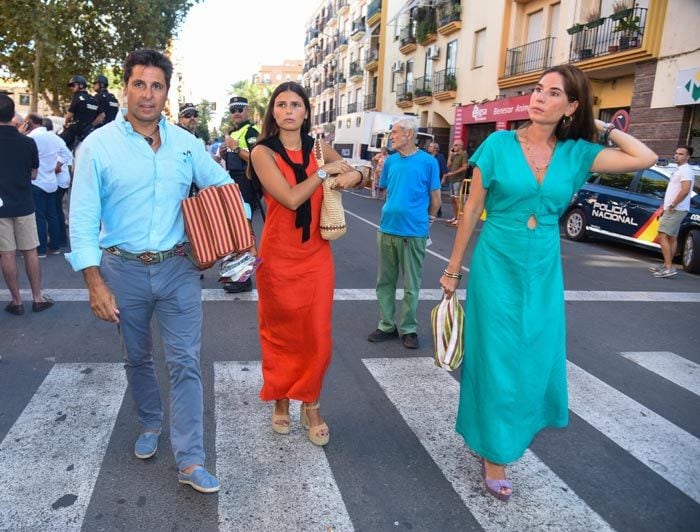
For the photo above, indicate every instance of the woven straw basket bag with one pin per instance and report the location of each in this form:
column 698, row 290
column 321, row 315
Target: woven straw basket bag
column 332, row 220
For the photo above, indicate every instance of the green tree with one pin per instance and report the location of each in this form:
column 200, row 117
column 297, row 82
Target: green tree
column 258, row 97
column 44, row 42
column 204, row 110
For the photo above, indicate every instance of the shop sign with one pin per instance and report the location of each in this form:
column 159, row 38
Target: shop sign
column 687, row 87
column 499, row 111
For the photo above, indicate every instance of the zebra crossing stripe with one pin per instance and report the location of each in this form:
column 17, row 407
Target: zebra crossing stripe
column 429, row 406
column 269, row 481
column 426, row 294
column 680, row 371
column 662, row 446
column 50, row 458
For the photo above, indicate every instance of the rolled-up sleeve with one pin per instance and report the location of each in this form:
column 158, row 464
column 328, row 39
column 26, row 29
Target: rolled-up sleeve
column 85, row 212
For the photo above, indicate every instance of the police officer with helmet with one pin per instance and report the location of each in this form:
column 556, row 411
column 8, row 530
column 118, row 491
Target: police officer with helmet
column 236, row 153
column 107, row 103
column 81, row 114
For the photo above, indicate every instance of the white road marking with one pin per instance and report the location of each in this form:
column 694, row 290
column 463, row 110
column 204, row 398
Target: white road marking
column 665, row 448
column 541, row 500
column 50, row 458
column 426, row 294
column 269, row 481
column 680, row 371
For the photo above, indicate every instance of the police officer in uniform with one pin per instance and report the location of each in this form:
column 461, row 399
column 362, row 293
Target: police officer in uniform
column 237, row 154
column 81, row 114
column 107, row 103
column 187, row 118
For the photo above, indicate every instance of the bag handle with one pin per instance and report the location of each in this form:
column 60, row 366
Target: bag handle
column 318, row 153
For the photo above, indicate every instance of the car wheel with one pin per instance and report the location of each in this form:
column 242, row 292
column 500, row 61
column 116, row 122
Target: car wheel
column 575, row 225
column 691, row 251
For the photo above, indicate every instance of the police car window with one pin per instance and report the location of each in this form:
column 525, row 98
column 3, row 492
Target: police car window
column 619, row 181
column 653, row 184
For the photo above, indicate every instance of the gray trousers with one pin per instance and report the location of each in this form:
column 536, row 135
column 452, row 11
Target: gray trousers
column 171, row 290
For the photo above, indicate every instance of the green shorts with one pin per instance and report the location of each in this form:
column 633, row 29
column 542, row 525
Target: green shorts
column 670, row 222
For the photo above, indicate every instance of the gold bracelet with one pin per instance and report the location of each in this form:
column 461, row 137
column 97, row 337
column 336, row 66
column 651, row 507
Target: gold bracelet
column 451, row 275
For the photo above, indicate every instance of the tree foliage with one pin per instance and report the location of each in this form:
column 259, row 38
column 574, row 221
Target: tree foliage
column 258, row 97
column 204, row 110
column 67, row 37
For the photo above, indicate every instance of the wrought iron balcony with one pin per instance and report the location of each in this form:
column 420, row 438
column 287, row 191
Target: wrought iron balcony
column 324, row 117
column 352, row 107
column 375, row 6
column 406, row 35
column 530, row 57
column 447, row 12
column 355, row 69
column 370, row 102
column 609, row 37
column 445, row 80
column 423, row 87
column 404, row 91
column 358, row 26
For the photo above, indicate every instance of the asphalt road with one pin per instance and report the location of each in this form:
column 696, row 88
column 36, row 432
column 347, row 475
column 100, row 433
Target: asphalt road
column 628, row 461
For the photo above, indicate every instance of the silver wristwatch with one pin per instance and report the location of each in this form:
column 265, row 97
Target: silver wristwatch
column 322, row 174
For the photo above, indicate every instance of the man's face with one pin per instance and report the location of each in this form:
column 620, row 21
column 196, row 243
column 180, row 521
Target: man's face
column 239, row 114
column 96, row 87
column 457, row 146
column 431, row 149
column 146, row 93
column 189, row 120
column 400, row 137
column 681, row 156
column 18, row 123
column 74, row 87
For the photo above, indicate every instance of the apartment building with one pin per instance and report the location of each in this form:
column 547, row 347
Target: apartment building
column 466, row 68
column 273, row 75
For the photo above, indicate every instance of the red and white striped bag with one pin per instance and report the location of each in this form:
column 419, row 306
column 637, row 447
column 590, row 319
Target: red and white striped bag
column 216, row 224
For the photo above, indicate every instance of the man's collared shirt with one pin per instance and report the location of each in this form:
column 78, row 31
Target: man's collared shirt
column 126, row 195
column 51, row 148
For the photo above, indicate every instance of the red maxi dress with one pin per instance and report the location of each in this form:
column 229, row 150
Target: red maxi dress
column 295, row 298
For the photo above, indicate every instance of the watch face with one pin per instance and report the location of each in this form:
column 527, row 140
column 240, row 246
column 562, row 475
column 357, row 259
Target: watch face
column 322, row 174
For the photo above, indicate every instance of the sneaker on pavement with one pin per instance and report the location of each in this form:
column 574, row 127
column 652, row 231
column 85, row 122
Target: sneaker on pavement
column 410, row 341
column 146, row 445
column 654, row 269
column 201, row 480
column 54, row 251
column 665, row 272
column 42, row 255
column 382, row 336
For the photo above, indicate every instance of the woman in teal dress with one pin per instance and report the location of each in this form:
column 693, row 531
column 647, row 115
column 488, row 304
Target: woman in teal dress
column 514, row 371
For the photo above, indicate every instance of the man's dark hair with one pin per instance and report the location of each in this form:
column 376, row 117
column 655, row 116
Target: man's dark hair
column 7, row 108
column 35, row 119
column 148, row 57
column 47, row 123
column 689, row 149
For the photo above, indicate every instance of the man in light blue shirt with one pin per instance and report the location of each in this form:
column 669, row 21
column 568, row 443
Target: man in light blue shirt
column 126, row 237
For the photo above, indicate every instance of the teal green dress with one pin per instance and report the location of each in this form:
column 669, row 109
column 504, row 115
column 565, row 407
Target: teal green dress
column 514, row 370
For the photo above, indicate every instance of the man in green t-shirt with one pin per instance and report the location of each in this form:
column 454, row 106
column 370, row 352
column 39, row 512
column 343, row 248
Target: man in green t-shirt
column 457, row 172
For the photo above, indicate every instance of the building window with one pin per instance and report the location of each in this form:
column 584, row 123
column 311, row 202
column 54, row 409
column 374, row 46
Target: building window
column 393, row 81
column 451, row 57
column 479, row 48
column 24, row 99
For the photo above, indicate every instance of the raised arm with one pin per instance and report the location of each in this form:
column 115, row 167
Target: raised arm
column 632, row 154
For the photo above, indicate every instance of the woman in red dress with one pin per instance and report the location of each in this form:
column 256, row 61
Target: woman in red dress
column 296, row 279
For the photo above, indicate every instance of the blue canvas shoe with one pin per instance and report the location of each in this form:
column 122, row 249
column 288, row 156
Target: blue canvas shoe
column 200, row 479
column 146, row 445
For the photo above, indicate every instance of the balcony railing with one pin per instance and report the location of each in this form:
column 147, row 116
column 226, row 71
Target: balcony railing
column 449, row 12
column 341, row 79
column 445, row 80
column 331, row 115
column 536, row 55
column 355, row 69
column 358, row 25
column 370, row 102
column 404, row 91
column 375, row 6
column 610, row 37
column 423, row 87
column 324, row 117
column 406, row 35
column 328, row 83
column 342, row 41
column 371, row 55
column 352, row 107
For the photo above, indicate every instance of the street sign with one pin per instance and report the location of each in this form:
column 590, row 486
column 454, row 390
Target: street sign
column 621, row 119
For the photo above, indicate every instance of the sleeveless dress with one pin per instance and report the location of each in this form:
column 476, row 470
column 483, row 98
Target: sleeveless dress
column 295, row 298
column 514, row 370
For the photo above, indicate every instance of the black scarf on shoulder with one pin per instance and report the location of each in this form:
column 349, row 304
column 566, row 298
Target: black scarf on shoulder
column 303, row 212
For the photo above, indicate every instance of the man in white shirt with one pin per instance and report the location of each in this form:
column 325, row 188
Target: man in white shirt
column 51, row 147
column 676, row 206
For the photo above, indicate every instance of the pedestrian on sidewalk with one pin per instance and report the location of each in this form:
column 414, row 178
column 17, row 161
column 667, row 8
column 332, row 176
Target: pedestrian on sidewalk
column 412, row 181
column 676, row 206
column 18, row 231
column 296, row 278
column 127, row 236
column 434, row 150
column 377, row 166
column 514, row 372
column 457, row 165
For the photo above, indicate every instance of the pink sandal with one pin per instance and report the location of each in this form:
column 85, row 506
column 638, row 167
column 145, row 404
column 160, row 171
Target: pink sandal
column 495, row 487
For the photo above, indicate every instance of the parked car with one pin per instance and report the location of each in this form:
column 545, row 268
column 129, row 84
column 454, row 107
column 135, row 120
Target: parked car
column 627, row 207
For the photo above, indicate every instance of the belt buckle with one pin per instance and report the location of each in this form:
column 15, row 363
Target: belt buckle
column 147, row 257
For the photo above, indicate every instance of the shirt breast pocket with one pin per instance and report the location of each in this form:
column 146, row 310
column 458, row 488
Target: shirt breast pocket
column 177, row 175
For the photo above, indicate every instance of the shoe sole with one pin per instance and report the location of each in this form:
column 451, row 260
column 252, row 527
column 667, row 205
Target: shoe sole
column 664, row 276
column 146, row 456
column 199, row 488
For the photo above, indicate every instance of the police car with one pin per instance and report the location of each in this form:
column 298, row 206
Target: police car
column 627, row 207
